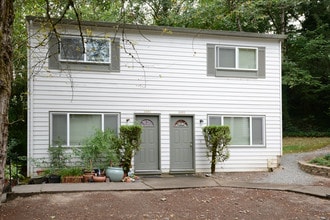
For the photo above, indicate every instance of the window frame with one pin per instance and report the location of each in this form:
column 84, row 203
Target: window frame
column 250, row 117
column 85, row 60
column 67, row 114
column 212, row 71
column 237, row 60
column 55, row 63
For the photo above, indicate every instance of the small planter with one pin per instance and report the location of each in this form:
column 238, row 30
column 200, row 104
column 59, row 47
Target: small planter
column 40, row 172
column 115, row 174
column 72, row 179
column 99, row 178
column 88, row 177
column 54, row 179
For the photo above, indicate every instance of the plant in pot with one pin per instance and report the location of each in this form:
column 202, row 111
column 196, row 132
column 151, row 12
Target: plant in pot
column 57, row 161
column 128, row 144
column 96, row 152
column 217, row 139
column 71, row 174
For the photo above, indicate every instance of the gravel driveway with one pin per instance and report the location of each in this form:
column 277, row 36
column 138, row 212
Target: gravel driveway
column 290, row 173
column 287, row 173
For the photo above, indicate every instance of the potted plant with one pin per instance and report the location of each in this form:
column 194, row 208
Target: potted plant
column 57, row 161
column 216, row 139
column 71, row 174
column 97, row 151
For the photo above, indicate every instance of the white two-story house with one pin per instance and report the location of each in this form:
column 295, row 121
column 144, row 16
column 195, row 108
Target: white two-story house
column 172, row 81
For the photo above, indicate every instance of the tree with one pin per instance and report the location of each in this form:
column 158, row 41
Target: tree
column 306, row 71
column 6, row 75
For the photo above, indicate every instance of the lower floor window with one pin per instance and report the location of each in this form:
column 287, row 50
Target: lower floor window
column 72, row 128
column 244, row 130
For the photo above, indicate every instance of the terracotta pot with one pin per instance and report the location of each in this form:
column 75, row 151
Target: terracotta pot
column 40, row 172
column 99, row 178
column 72, row 179
column 88, row 177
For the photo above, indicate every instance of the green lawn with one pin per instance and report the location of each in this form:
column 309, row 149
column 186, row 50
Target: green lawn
column 304, row 144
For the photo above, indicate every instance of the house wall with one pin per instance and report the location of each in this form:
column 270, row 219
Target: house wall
column 172, row 81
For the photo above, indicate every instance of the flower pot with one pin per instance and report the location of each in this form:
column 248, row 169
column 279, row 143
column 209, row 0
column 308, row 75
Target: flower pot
column 115, row 174
column 72, row 179
column 54, row 178
column 88, row 177
column 99, row 178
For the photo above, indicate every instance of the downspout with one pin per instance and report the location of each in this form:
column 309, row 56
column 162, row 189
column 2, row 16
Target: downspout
column 281, row 106
column 30, row 104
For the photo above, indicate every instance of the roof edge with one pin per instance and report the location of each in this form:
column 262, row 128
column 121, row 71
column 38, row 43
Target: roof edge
column 161, row 28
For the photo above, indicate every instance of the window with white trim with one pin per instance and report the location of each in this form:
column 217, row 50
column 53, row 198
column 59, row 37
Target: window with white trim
column 97, row 50
column 236, row 58
column 71, row 129
column 236, row 61
column 244, row 130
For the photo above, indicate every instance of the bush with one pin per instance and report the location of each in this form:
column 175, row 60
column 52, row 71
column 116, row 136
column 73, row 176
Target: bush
column 128, row 144
column 98, row 150
column 216, row 139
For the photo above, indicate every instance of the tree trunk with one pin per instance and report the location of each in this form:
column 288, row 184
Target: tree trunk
column 214, row 159
column 6, row 73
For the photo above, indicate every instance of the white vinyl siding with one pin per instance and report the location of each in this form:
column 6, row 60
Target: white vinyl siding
column 71, row 129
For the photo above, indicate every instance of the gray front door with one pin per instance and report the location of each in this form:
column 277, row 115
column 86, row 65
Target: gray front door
column 147, row 159
column 181, row 144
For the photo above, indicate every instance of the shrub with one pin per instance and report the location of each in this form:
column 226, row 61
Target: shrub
column 216, row 139
column 128, row 144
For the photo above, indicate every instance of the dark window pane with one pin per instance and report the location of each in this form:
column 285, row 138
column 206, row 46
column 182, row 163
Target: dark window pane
column 226, row 57
column 257, row 131
column 59, row 134
column 72, row 49
column 111, row 122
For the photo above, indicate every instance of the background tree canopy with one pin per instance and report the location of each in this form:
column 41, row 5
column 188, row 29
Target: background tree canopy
column 306, row 52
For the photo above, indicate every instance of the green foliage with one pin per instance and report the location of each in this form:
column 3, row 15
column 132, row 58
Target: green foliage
column 216, row 139
column 57, row 156
column 322, row 161
column 306, row 79
column 128, row 144
column 15, row 172
column 71, row 171
column 98, row 150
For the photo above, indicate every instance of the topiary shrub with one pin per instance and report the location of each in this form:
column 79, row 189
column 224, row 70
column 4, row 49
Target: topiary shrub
column 216, row 139
column 128, row 144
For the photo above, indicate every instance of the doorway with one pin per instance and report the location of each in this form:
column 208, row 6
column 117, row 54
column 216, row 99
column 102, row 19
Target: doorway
column 147, row 161
column 181, row 144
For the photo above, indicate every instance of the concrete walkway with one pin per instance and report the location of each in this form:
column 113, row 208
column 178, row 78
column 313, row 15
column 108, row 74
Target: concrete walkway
column 163, row 183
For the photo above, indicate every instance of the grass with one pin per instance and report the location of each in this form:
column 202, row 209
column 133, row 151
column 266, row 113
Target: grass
column 323, row 161
column 304, row 144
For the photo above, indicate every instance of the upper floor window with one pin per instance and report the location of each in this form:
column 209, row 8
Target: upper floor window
column 235, row 61
column 66, row 52
column 97, row 50
column 239, row 58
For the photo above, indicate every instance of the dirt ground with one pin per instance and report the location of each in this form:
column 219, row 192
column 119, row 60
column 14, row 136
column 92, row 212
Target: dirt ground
column 201, row 203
